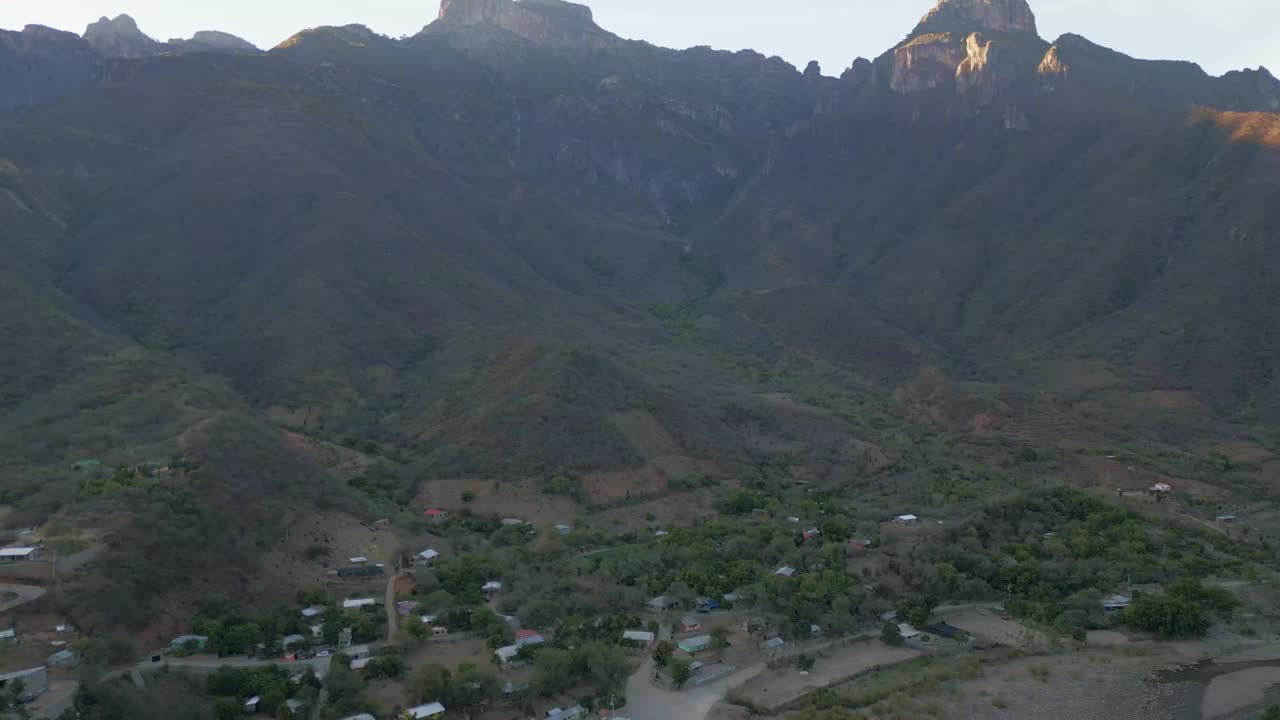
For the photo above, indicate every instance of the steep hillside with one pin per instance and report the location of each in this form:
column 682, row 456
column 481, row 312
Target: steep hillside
column 487, row 249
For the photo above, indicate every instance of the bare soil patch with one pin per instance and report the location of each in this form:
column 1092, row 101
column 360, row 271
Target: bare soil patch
column 523, row 499
column 773, row 689
column 611, row 487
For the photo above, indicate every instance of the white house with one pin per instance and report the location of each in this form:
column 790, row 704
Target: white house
column 907, row 631
column 251, row 705
column 360, row 663
column 491, row 587
column 18, row 554
column 906, row 520
column 1162, row 488
column 426, row 557
column 361, row 716
column 429, row 710
column 661, row 603
column 1116, row 603
column 643, row 636
column 359, row 559
column 785, row 571
column 358, row 651
column 313, row 611
column 507, row 655
column 357, row 603
column 34, row 682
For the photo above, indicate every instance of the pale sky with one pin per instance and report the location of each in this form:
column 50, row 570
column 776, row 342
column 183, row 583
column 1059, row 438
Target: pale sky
column 1221, row 35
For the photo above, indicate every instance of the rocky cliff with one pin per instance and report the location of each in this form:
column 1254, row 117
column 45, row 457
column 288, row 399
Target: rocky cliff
column 543, row 22
column 967, row 15
column 121, row 38
column 214, row 41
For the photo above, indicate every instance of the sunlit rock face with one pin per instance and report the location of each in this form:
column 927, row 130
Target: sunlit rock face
column 997, row 15
column 544, row 22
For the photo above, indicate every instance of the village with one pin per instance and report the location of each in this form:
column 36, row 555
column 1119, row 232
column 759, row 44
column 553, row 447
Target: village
column 463, row 614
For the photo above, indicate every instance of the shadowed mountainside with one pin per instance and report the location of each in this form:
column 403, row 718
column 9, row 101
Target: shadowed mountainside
column 479, row 247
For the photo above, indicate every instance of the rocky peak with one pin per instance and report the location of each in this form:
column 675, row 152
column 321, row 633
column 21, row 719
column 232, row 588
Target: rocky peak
column 813, row 70
column 215, row 42
column 121, row 38
column 545, row 22
column 978, row 15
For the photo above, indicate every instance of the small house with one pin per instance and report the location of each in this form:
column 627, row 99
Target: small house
column 360, row 663
column 695, row 645
column 1116, row 603
column 493, row 587
column 189, row 642
column 907, row 631
column 507, row 655
column 731, row 597
column 773, row 644
column 706, row 604
column 946, row 630
column 812, row 534
column 296, row 707
column 420, row 712
column 1161, row 488
column 563, row 529
column 439, row 631
column 815, row 631
column 429, row 619
column 690, row 624
column 8, row 637
column 313, row 611
column 906, row 520
column 359, row 603
column 18, row 554
column 35, row 682
column 251, row 705
column 426, row 558
column 292, row 642
column 576, row 711
column 529, row 637
column 358, row 651
column 63, row 659
column 785, row 571
column 639, row 636
column 436, row 515
column 661, row 533
column 405, row 608
column 1226, row 518
column 361, row 716
column 890, row 616
column 513, row 522
column 317, row 632
column 662, row 603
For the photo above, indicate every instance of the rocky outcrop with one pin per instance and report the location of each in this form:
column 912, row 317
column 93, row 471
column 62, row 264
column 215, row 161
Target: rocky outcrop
column 543, row 22
column 985, row 72
column 213, row 41
column 926, row 64
column 969, row 15
column 41, row 64
column 121, row 38
column 813, row 71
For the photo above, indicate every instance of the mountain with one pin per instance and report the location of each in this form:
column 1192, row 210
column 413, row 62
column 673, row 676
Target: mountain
column 516, row 245
column 121, row 38
column 40, row 64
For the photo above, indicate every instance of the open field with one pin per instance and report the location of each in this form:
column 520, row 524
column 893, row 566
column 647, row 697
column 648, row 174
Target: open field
column 773, row 689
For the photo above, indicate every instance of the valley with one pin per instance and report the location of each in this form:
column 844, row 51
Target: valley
column 515, row 366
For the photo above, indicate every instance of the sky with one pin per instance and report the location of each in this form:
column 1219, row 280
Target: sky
column 1221, row 35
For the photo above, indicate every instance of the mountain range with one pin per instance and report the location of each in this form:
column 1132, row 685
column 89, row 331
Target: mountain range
column 515, row 245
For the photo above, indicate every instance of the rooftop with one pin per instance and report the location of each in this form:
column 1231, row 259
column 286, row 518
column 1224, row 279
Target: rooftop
column 425, row 711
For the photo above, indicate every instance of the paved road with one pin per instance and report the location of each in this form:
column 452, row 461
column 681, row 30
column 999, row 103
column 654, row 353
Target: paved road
column 25, row 593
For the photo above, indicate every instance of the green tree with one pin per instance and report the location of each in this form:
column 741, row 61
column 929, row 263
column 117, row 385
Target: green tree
column 1168, row 616
column 433, row 683
column 226, row 709
column 680, row 671
column 891, row 635
column 662, row 652
column 553, row 671
column 472, row 686
column 1272, row 713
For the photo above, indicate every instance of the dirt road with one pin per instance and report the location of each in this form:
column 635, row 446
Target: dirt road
column 25, row 593
column 389, row 600
column 646, row 701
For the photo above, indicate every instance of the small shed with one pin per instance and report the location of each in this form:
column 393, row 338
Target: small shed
column 436, row 515
column 358, row 603
column 1116, row 603
column 63, row 659
column 661, row 603
column 906, row 520
column 492, row 587
column 785, row 571
column 907, row 631
column 640, row 636
column 429, row 710
column 426, row 557
column 690, row 624
column 695, row 645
